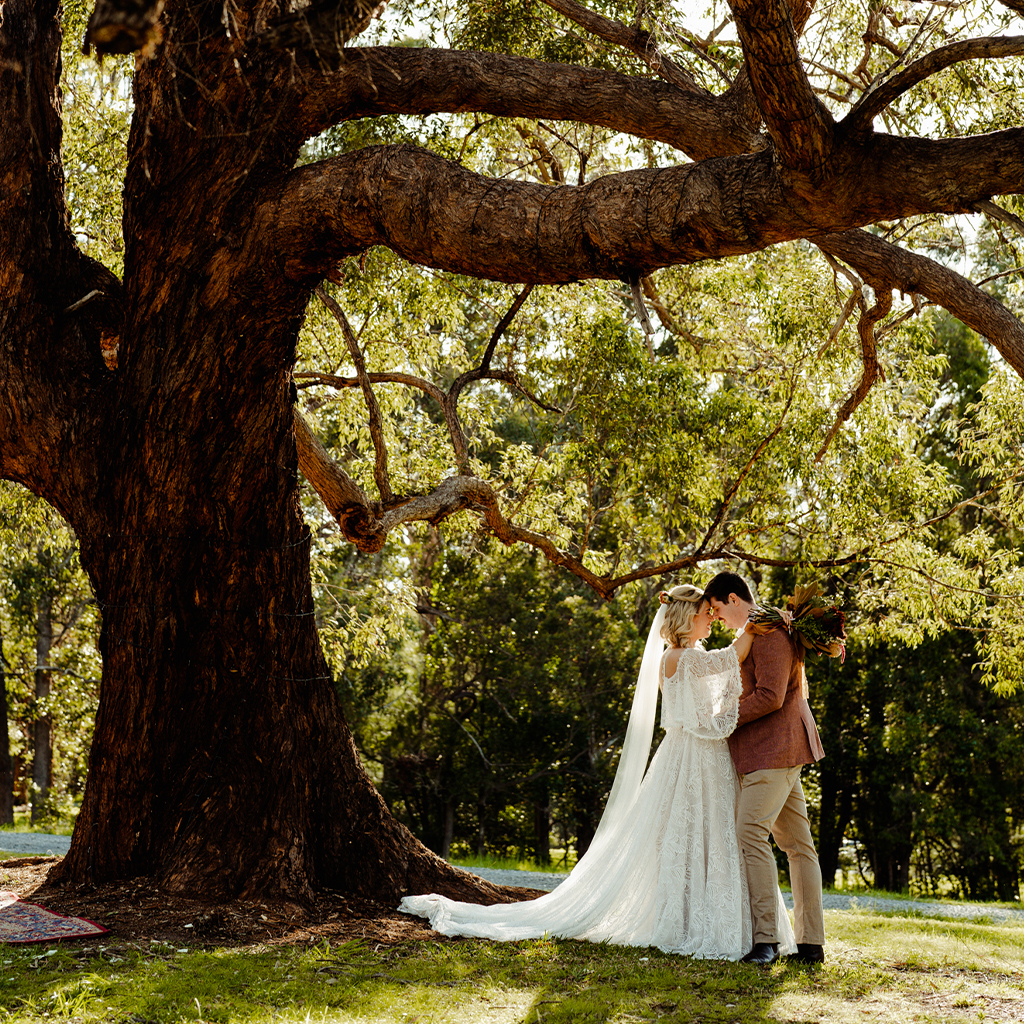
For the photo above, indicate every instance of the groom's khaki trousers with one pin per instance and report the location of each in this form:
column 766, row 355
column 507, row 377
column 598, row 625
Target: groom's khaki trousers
column 772, row 800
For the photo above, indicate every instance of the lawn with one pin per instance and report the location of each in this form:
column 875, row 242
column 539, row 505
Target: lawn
column 884, row 968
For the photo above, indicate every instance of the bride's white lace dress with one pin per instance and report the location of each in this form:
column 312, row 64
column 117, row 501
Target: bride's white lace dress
column 665, row 869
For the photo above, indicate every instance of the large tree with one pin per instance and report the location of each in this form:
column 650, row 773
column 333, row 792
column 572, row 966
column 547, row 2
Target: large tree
column 155, row 410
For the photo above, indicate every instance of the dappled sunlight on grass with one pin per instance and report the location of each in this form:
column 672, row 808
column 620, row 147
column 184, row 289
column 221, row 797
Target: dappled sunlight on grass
column 900, row 969
column 879, row 968
column 913, row 942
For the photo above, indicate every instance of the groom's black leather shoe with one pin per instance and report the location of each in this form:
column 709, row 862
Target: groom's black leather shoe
column 806, row 953
column 763, row 953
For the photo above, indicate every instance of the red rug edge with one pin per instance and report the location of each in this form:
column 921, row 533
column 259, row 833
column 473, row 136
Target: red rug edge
column 63, row 938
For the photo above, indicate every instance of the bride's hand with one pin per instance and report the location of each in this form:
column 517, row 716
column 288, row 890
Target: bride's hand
column 741, row 645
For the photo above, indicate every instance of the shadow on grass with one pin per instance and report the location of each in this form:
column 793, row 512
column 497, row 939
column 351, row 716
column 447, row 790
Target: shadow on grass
column 901, row 969
column 453, row 981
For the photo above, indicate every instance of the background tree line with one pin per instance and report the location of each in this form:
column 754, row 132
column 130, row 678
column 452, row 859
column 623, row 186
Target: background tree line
column 488, row 691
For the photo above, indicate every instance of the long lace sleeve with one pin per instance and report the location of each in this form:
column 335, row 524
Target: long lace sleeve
column 707, row 693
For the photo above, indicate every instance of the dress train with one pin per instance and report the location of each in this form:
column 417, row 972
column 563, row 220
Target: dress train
column 665, row 869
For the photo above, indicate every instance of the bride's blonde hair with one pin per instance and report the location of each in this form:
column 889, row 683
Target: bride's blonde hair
column 681, row 605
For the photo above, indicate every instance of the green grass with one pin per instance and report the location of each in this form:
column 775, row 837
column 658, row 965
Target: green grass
column 891, row 969
column 52, row 826
column 558, row 865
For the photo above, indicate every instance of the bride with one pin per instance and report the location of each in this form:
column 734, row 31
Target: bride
column 664, row 868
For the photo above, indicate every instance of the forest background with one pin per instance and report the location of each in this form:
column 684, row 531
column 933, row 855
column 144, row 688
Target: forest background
column 486, row 687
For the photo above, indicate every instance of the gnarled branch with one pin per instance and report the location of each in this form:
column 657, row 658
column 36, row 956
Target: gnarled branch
column 401, row 80
column 366, row 524
column 346, row 501
column 895, row 268
column 869, row 354
column 428, row 210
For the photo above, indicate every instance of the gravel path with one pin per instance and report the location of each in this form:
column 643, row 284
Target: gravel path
column 43, row 844
column 536, row 880
column 39, row 843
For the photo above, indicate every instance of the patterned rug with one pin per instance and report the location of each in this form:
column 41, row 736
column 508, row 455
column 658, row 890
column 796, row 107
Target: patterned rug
column 25, row 922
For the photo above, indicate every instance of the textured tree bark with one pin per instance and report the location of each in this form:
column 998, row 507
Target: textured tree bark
column 798, row 122
column 429, row 210
column 220, row 761
column 382, row 80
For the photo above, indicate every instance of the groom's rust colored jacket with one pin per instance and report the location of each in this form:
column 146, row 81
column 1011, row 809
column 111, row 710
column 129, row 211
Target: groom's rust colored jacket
column 776, row 728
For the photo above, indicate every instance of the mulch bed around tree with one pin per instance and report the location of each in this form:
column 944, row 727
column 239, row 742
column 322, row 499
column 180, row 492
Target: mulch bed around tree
column 135, row 911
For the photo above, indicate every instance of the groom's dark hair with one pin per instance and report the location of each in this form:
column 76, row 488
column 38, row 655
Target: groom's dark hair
column 726, row 583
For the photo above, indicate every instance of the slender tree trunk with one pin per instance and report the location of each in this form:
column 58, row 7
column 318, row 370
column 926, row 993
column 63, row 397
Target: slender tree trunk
column 449, row 830
column 542, row 829
column 6, row 763
column 836, row 813
column 1004, row 863
column 42, row 727
column 481, row 830
column 588, row 804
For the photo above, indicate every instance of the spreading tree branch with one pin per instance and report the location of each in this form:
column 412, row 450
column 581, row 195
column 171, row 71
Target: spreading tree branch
column 448, row 401
column 873, row 102
column 636, row 40
column 308, row 379
column 380, row 448
column 405, row 80
column 896, row 269
column 428, row 210
column 996, row 212
column 799, row 124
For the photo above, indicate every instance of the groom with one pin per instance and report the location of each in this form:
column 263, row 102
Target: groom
column 774, row 738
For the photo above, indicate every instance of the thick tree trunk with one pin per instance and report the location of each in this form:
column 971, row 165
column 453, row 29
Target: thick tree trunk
column 42, row 727
column 221, row 763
